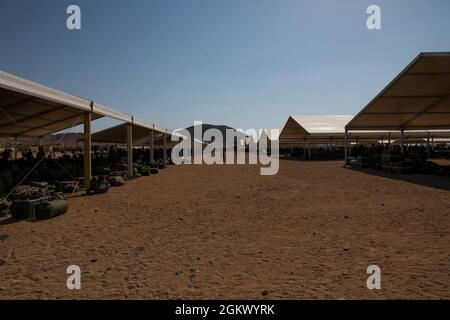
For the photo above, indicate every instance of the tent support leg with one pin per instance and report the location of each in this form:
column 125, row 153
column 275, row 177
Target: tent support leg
column 87, row 150
column 432, row 144
column 346, row 149
column 152, row 146
column 165, row 148
column 402, row 138
column 309, row 150
column 130, row 150
column 428, row 146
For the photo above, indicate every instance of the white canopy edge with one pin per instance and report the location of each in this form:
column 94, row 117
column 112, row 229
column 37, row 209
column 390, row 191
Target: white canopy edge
column 351, row 126
column 17, row 84
column 27, row 87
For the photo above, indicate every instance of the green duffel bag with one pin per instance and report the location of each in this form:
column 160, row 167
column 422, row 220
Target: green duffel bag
column 52, row 208
column 116, row 181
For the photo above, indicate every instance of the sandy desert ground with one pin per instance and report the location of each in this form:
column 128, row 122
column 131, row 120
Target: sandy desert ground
column 225, row 232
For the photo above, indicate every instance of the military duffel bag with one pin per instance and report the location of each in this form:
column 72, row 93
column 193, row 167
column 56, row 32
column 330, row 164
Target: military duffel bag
column 52, row 208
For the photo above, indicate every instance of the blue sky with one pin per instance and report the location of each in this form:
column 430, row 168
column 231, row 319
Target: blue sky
column 244, row 63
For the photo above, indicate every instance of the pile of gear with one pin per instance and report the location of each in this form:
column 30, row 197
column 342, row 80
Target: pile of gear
column 36, row 200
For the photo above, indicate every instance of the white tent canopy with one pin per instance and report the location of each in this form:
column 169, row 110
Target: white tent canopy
column 118, row 134
column 34, row 110
column 31, row 109
column 417, row 99
column 326, row 129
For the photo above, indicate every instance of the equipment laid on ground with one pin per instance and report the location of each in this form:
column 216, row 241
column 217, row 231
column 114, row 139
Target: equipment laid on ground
column 119, row 173
column 362, row 162
column 136, row 173
column 52, row 208
column 161, row 164
column 116, row 181
column 154, row 171
column 25, row 209
column 26, row 199
column 98, row 185
column 145, row 171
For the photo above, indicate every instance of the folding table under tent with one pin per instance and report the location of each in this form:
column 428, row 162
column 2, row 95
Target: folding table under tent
column 417, row 99
column 32, row 110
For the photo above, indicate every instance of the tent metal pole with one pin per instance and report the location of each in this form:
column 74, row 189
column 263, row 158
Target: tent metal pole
column 346, row 148
column 130, row 149
column 349, row 145
column 165, row 148
column 87, row 149
column 152, row 145
column 309, row 149
column 402, row 138
column 432, row 144
column 428, row 146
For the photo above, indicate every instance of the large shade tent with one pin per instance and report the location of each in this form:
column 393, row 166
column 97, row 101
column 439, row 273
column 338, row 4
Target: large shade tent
column 326, row 129
column 32, row 110
column 417, row 99
column 314, row 129
column 134, row 133
column 323, row 129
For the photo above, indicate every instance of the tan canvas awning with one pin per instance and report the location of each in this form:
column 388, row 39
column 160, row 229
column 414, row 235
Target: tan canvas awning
column 417, row 99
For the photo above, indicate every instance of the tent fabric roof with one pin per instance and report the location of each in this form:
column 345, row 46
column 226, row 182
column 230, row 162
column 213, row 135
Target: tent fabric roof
column 417, row 99
column 300, row 128
column 325, row 129
column 31, row 109
column 118, row 134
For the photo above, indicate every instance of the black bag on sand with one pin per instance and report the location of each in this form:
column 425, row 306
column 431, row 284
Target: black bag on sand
column 52, row 208
column 154, row 171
